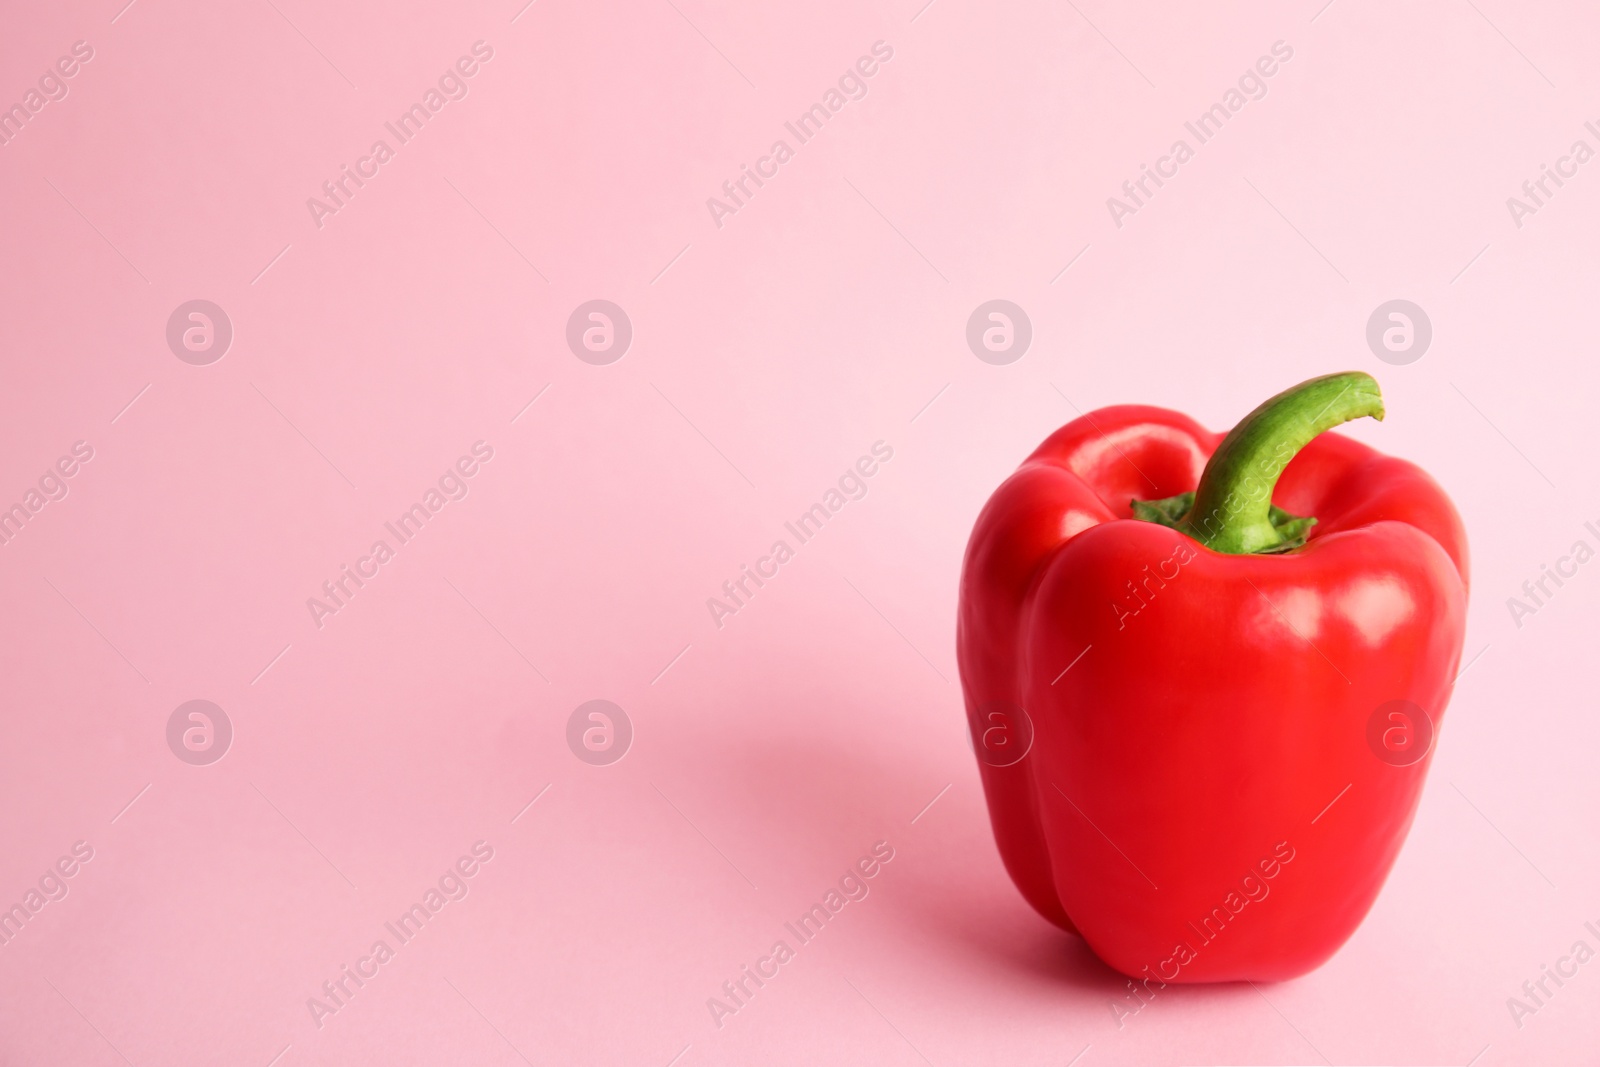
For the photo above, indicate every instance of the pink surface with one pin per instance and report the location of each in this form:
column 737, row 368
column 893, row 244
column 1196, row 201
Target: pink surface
column 774, row 343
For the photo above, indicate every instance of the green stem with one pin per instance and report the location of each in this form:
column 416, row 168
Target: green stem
column 1232, row 510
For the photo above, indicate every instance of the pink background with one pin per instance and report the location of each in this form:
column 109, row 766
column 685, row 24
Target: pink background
column 768, row 354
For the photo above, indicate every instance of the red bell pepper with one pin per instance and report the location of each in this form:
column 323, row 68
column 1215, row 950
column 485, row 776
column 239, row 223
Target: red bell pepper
column 1192, row 665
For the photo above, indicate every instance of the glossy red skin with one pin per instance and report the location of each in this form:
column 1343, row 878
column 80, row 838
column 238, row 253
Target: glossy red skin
column 1202, row 735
